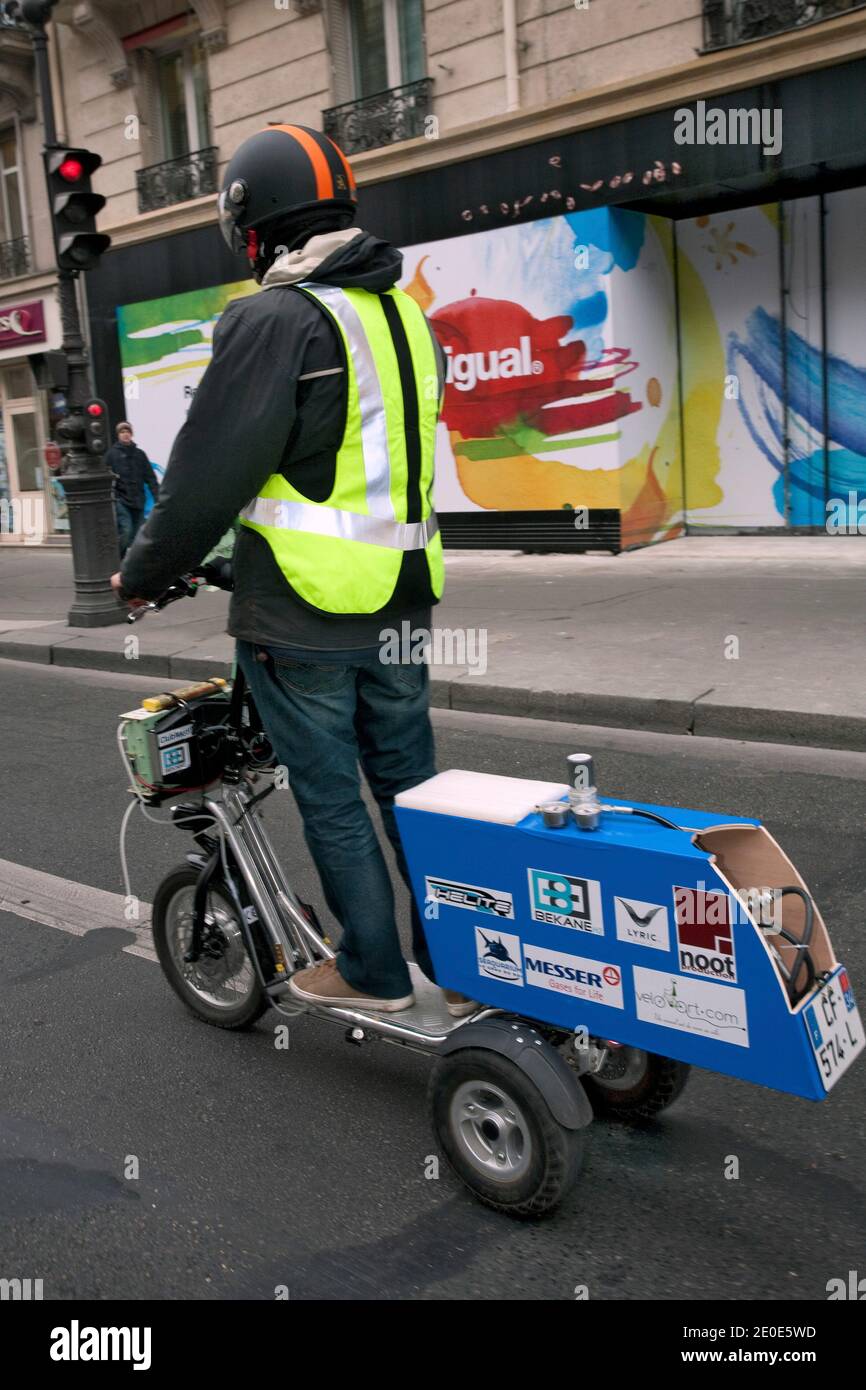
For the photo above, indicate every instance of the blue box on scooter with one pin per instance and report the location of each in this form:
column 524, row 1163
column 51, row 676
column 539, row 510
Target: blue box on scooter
column 633, row 932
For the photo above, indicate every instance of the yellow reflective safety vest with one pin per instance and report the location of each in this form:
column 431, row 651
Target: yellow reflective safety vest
column 344, row 555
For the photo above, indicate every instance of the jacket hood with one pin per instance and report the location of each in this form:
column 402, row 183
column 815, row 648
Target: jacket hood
column 351, row 259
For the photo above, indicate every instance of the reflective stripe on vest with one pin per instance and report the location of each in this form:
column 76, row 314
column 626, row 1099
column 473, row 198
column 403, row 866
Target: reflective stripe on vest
column 344, row 554
column 374, row 436
column 348, row 526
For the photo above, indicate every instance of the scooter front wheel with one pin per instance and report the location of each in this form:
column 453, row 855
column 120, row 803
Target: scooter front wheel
column 222, row 986
column 498, row 1134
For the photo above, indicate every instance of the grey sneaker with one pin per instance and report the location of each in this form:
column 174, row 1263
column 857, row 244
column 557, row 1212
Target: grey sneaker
column 458, row 1005
column 323, row 984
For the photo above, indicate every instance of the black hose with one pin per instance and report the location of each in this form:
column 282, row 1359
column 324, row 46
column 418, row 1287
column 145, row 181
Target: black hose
column 802, row 955
column 651, row 815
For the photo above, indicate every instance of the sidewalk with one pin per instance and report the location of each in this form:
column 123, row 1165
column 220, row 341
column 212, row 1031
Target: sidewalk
column 637, row 640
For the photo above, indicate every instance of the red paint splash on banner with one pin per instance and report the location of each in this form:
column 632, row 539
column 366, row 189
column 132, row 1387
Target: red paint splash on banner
column 505, row 364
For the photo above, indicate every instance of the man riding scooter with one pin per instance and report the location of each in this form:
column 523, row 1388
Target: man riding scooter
column 315, row 423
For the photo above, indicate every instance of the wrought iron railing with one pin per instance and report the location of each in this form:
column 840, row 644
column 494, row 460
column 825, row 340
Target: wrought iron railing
column 177, row 180
column 729, row 22
column 381, row 119
column 14, row 257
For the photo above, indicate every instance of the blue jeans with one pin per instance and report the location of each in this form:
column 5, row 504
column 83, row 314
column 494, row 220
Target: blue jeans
column 129, row 521
column 325, row 713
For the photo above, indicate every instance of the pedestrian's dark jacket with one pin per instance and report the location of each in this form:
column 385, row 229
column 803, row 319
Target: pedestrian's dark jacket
column 134, row 473
column 253, row 416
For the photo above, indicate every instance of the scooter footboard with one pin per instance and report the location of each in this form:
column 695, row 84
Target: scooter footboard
column 677, row 941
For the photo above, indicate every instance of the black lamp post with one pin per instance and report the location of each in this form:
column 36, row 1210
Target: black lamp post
column 87, row 481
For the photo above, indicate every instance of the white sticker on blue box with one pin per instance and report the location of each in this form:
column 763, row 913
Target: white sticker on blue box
column 563, row 900
column 448, row 891
column 642, row 924
column 596, row 981
column 691, row 1006
column 499, row 956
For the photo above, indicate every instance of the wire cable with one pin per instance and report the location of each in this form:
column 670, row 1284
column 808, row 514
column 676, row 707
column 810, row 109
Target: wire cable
column 652, row 815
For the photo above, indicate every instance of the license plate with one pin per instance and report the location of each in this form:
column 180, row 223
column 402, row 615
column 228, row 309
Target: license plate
column 834, row 1027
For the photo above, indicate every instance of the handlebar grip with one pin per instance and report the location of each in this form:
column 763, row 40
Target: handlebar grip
column 218, row 572
column 154, row 703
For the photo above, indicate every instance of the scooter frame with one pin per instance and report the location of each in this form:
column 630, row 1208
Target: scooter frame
column 236, row 853
column 294, row 940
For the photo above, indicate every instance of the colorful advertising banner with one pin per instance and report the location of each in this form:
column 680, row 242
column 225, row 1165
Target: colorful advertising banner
column 562, row 382
column 561, row 347
column 165, row 346
column 563, row 376
column 765, row 375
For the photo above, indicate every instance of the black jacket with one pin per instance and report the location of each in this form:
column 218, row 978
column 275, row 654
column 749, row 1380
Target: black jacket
column 251, row 417
column 134, row 472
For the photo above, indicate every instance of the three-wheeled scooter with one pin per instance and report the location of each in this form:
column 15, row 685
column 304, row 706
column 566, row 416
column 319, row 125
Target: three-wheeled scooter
column 610, row 945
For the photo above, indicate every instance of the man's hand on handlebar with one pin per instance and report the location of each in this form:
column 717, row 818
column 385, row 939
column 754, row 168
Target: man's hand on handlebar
column 217, row 573
column 132, row 602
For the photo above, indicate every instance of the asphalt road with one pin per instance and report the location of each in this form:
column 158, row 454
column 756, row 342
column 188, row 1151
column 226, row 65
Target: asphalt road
column 304, row 1168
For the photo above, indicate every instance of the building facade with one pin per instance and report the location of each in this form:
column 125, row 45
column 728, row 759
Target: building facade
column 636, row 228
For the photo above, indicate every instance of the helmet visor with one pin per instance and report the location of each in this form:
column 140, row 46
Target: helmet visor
column 229, row 213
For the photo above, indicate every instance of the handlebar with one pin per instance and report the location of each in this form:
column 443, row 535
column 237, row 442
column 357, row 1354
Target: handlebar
column 217, row 573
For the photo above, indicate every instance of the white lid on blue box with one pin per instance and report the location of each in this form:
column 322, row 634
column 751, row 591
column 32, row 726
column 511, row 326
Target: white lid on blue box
column 480, row 796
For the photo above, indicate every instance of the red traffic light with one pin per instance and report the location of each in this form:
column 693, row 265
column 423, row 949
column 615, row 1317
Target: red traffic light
column 95, row 425
column 71, row 169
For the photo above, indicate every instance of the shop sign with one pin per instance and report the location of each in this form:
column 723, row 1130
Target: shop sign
column 21, row 324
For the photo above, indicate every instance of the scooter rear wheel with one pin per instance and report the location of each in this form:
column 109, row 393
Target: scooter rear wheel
column 222, row 987
column 498, row 1134
column 634, row 1085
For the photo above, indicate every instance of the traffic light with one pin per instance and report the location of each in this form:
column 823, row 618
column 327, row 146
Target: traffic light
column 35, row 12
column 95, row 426
column 74, row 207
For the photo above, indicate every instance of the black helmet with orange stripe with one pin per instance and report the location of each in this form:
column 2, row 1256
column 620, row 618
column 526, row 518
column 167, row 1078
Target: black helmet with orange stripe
column 283, row 176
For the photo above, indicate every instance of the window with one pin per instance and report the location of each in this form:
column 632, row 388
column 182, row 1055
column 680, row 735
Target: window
column 11, row 214
column 181, row 78
column 28, row 455
column 381, row 92
column 387, row 43
column 18, row 383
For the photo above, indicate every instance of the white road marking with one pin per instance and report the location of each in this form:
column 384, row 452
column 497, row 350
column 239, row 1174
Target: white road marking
column 71, row 907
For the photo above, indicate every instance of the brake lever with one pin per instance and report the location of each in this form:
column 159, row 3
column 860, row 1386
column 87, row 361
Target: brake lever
column 135, row 614
column 183, row 588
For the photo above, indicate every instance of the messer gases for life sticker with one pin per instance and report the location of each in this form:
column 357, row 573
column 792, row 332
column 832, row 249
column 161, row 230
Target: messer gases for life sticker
column 596, row 981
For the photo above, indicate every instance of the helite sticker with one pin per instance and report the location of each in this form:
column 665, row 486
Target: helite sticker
column 491, row 901
column 563, row 900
